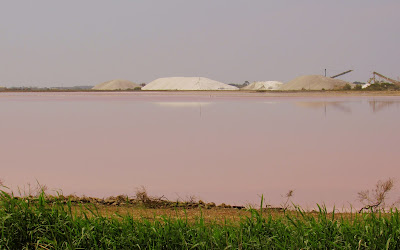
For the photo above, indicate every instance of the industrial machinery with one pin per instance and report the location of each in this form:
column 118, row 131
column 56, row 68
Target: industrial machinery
column 343, row 73
column 373, row 79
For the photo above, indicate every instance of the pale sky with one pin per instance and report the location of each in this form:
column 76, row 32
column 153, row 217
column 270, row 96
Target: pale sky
column 54, row 43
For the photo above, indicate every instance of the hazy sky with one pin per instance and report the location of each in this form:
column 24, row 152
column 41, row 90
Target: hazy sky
column 54, row 43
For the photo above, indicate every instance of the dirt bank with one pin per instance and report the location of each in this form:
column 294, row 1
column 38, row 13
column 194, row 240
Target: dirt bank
column 222, row 93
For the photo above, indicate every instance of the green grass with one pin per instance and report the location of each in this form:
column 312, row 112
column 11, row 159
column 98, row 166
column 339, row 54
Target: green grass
column 40, row 224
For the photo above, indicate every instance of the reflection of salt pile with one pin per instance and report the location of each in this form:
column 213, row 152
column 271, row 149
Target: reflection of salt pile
column 182, row 104
column 267, row 85
column 187, row 83
column 338, row 105
column 116, row 85
column 314, row 82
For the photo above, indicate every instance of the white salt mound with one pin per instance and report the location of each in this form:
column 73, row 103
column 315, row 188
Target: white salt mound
column 116, row 85
column 267, row 85
column 365, row 85
column 187, row 83
column 314, row 82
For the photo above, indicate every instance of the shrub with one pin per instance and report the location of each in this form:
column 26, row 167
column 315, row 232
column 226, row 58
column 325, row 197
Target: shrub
column 382, row 86
column 375, row 198
column 347, row 87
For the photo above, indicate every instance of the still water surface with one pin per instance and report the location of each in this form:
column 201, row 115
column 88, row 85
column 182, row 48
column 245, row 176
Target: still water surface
column 221, row 149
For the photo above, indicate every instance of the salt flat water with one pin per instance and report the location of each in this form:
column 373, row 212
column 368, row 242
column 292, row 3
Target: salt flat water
column 229, row 149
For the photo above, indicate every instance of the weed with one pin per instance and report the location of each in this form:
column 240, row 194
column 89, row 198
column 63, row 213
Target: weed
column 286, row 205
column 141, row 195
column 150, row 201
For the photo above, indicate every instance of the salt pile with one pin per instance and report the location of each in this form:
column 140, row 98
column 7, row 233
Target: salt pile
column 314, row 82
column 267, row 85
column 365, row 85
column 116, row 85
column 187, row 83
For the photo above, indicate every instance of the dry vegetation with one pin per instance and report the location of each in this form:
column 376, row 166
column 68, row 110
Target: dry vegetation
column 144, row 205
column 375, row 199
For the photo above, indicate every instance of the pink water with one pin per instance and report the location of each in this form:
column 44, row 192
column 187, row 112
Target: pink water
column 221, row 149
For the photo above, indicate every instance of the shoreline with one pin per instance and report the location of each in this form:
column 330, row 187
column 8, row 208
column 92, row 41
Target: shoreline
column 218, row 93
column 161, row 205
